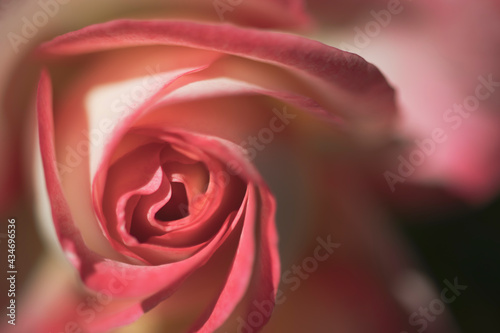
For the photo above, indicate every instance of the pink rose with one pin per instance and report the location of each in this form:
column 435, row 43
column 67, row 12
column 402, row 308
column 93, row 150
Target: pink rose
column 141, row 128
column 202, row 173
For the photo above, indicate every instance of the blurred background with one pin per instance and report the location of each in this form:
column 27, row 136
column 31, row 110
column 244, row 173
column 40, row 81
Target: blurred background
column 464, row 243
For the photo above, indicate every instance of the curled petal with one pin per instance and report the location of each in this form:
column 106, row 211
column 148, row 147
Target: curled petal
column 332, row 71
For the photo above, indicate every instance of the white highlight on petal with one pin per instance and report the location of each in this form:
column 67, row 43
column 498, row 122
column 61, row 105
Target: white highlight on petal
column 108, row 105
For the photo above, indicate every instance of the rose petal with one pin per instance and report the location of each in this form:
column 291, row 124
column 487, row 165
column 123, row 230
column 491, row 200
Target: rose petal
column 345, row 75
column 97, row 272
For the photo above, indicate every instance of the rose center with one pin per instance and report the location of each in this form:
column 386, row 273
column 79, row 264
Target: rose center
column 177, row 207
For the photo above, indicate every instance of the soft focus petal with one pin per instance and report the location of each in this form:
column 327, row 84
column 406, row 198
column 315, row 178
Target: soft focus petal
column 328, row 69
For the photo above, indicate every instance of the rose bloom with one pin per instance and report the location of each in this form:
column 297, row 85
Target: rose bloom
column 195, row 169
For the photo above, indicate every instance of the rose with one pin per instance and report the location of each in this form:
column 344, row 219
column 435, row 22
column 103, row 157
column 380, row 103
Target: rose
column 335, row 182
column 95, row 313
column 299, row 75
